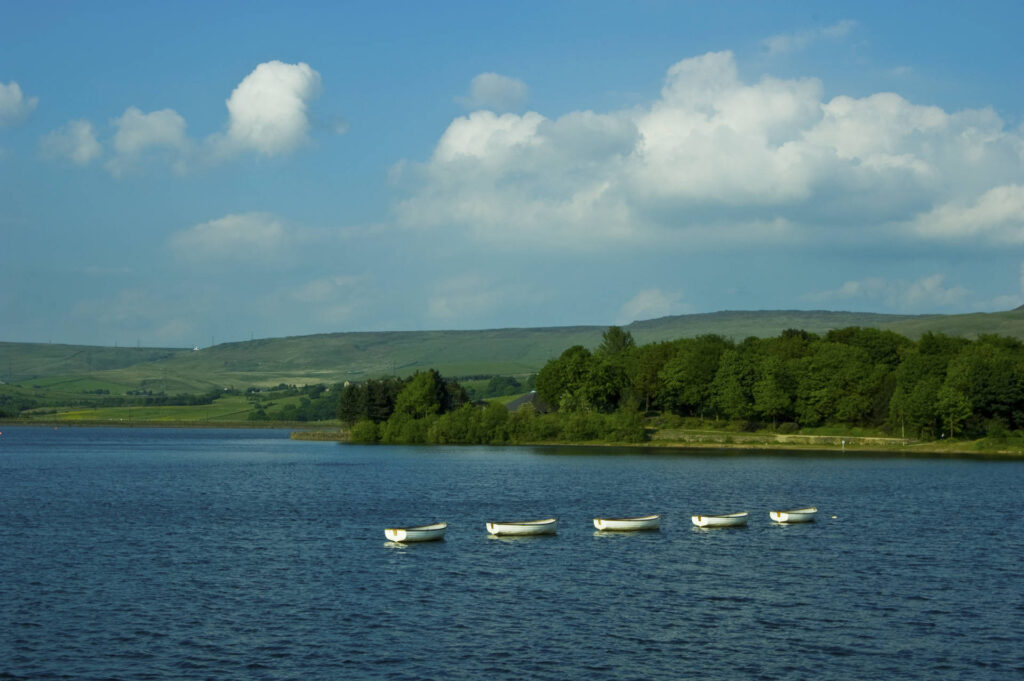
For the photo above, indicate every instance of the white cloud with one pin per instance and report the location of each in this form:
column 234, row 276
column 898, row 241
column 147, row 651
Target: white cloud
column 930, row 291
column 268, row 110
column 714, row 161
column 244, row 237
column 139, row 132
column 14, row 106
column 496, row 92
column 651, row 304
column 267, row 113
column 75, row 140
column 794, row 42
column 997, row 216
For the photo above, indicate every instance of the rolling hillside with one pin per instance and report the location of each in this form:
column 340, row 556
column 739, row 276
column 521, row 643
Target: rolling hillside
column 329, row 358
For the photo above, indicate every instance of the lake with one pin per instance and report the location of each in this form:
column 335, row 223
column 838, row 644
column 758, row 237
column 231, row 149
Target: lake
column 230, row 554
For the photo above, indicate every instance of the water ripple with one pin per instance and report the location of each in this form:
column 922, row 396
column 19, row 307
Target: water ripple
column 224, row 555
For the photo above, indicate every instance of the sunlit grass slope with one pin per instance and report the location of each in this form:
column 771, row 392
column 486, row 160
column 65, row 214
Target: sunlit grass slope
column 333, row 358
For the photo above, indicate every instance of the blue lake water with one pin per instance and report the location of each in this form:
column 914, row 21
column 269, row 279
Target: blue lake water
column 208, row 554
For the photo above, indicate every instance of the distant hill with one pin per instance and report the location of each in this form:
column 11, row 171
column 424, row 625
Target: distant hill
column 336, row 357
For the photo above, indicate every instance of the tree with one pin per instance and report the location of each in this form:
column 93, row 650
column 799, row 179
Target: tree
column 422, row 395
column 990, row 374
column 689, row 376
column 380, row 398
column 832, row 385
column 771, row 400
column 615, row 341
column 427, row 394
column 502, row 385
column 364, row 431
column 645, row 375
column 731, row 387
column 954, row 408
column 494, row 423
column 567, row 373
column 604, row 384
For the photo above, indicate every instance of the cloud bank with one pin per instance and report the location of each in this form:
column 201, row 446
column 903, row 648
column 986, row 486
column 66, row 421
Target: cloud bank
column 930, row 291
column 717, row 162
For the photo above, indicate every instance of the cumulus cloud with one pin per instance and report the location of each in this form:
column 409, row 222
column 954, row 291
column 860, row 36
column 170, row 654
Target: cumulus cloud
column 715, row 161
column 138, row 133
column 75, row 140
column 794, row 42
column 651, row 304
column 243, row 237
column 268, row 110
column 997, row 216
column 496, row 92
column 14, row 106
column 267, row 113
column 927, row 292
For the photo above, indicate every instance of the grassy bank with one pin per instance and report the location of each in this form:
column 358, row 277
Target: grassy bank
column 719, row 439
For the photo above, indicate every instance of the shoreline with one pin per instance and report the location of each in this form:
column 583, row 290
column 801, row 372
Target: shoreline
column 660, row 440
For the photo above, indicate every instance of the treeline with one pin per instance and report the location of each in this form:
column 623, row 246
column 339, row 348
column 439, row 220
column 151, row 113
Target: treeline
column 938, row 386
column 428, row 409
column 12, row 405
column 317, row 402
column 499, row 386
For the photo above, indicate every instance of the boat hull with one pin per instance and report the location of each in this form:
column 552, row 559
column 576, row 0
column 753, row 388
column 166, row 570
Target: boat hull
column 523, row 528
column 638, row 524
column 433, row 532
column 731, row 520
column 799, row 515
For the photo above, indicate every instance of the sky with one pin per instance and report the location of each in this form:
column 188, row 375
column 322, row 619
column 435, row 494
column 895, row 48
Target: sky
column 191, row 173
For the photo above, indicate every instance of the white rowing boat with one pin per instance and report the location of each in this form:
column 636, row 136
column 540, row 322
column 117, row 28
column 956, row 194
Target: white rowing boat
column 797, row 515
column 644, row 522
column 419, row 533
column 730, row 520
column 524, row 527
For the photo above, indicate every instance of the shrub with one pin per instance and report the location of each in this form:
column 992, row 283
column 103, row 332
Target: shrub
column 364, row 432
column 996, row 428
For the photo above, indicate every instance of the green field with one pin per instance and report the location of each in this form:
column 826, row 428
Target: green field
column 230, row 409
column 71, row 372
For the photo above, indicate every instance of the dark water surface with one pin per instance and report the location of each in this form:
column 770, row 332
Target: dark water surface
column 204, row 554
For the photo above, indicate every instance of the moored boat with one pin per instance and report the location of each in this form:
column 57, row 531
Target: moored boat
column 523, row 527
column 639, row 523
column 729, row 520
column 797, row 515
column 419, row 533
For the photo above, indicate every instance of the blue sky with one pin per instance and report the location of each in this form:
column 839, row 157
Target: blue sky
column 176, row 174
